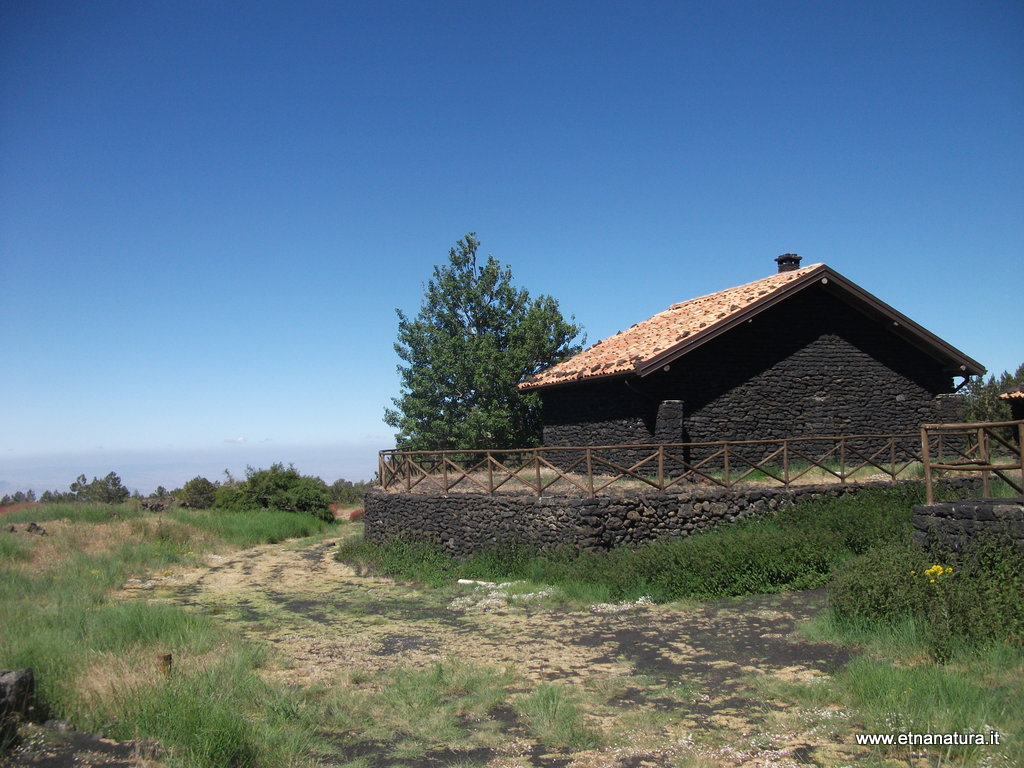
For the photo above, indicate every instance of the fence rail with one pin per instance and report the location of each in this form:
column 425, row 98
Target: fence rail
column 974, row 447
column 592, row 470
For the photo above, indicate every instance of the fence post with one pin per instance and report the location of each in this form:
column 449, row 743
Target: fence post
column 661, row 467
column 490, row 473
column 407, row 463
column 536, row 460
column 926, row 459
column 725, row 447
column 984, row 458
column 380, row 471
column 785, row 462
column 1020, row 451
column 590, row 471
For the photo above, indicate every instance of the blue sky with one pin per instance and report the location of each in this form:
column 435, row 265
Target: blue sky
column 209, row 211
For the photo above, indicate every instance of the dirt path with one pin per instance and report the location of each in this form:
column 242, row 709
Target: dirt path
column 325, row 616
column 698, row 672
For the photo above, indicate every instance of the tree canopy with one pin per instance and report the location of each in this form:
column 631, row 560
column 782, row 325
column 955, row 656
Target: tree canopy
column 476, row 336
column 280, row 488
column 981, row 396
column 109, row 490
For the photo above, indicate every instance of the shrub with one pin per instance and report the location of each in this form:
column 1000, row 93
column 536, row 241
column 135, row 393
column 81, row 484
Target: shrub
column 346, row 492
column 198, row 493
column 231, row 497
column 277, row 488
column 970, row 598
column 879, row 586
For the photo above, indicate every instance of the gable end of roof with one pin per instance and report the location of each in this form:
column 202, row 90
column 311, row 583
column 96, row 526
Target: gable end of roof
column 647, row 346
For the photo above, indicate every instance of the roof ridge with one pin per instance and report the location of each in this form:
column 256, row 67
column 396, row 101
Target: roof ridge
column 626, row 350
column 801, row 271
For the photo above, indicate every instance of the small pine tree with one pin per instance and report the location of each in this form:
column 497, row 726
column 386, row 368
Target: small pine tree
column 475, row 338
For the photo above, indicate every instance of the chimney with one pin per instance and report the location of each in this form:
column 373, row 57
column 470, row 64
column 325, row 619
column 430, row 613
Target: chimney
column 788, row 262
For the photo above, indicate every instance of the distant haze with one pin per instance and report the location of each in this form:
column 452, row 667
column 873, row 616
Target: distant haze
column 143, row 471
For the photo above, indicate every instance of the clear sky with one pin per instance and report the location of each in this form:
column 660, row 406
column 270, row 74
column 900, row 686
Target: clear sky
column 209, row 211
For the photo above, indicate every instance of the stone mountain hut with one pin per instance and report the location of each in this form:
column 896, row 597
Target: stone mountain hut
column 801, row 352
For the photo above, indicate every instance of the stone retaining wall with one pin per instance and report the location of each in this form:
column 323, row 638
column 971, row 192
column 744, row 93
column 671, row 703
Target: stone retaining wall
column 467, row 522
column 953, row 523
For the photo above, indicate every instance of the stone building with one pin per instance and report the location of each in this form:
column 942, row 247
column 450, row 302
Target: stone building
column 801, row 352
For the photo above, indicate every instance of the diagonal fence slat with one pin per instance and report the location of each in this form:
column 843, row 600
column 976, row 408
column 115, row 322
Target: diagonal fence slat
column 694, row 469
column 465, row 474
column 513, row 474
column 624, row 472
column 760, row 466
column 560, row 475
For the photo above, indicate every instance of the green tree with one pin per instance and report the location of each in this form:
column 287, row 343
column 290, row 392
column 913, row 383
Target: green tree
column 476, row 336
column 981, row 396
column 109, row 490
column 198, row 493
column 346, row 492
column 56, row 497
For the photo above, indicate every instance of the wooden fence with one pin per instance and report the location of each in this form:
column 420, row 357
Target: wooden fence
column 992, row 448
column 591, row 470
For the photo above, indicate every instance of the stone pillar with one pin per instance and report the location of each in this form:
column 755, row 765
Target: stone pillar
column 669, row 426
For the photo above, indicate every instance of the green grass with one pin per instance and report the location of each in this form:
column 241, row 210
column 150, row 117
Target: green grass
column 555, row 719
column 247, row 529
column 13, row 549
column 414, row 710
column 222, row 714
column 95, row 658
column 940, row 638
column 76, row 513
column 893, row 687
column 241, row 529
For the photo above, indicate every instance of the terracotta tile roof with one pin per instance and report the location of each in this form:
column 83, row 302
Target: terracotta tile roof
column 1018, row 395
column 630, row 349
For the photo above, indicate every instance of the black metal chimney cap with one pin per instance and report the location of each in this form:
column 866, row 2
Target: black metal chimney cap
column 788, row 262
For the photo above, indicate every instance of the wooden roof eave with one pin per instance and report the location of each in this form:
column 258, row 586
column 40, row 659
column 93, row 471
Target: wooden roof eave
column 568, row 381
column 903, row 326
column 917, row 335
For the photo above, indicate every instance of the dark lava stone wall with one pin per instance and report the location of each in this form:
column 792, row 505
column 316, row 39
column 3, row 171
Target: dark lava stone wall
column 951, row 524
column 468, row 522
column 811, row 365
